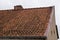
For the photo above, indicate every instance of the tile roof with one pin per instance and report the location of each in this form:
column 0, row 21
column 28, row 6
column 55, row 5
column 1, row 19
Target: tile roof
column 26, row 22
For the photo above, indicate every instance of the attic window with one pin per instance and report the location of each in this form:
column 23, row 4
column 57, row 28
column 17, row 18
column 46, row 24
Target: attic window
column 54, row 32
column 51, row 32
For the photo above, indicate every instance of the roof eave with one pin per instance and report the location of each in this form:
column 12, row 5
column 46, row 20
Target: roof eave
column 23, row 37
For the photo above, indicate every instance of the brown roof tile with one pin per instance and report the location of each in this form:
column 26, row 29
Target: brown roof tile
column 26, row 22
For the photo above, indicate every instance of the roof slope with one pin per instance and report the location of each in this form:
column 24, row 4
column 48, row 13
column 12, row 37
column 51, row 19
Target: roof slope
column 26, row 22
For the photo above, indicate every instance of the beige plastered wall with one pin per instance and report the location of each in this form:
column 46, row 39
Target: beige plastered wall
column 52, row 35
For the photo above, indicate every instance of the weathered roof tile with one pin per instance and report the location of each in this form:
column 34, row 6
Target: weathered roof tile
column 27, row 22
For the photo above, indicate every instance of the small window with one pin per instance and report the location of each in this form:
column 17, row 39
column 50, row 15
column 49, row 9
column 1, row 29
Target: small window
column 51, row 32
column 54, row 31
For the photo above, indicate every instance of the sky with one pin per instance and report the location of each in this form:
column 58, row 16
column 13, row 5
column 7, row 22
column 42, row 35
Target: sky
column 9, row 4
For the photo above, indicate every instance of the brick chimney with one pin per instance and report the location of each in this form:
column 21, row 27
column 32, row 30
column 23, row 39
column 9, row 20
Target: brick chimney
column 18, row 7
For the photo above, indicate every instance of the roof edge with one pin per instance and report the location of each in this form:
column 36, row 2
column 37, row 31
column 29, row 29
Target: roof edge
column 31, row 8
column 52, row 10
column 23, row 37
column 39, row 7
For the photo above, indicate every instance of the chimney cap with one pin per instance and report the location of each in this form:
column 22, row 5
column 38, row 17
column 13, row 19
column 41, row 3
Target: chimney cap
column 18, row 6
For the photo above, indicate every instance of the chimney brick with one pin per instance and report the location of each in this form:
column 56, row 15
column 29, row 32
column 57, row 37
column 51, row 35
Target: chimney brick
column 18, row 7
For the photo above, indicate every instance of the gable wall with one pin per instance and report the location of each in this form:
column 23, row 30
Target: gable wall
column 52, row 35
